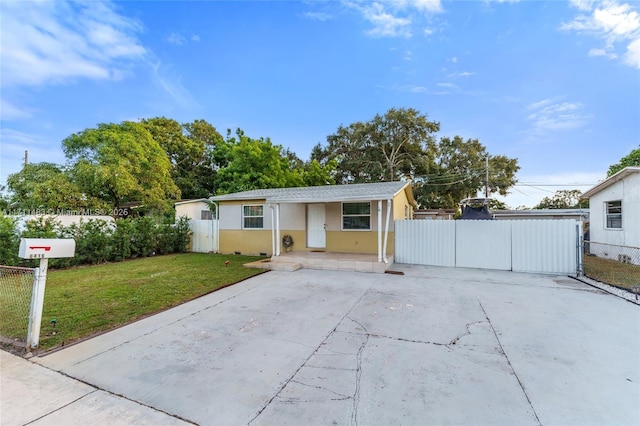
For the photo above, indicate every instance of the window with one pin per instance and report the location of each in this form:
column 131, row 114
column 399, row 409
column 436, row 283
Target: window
column 356, row 216
column 253, row 217
column 206, row 215
column 614, row 214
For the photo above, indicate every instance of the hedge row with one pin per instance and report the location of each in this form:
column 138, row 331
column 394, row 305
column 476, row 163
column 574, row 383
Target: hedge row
column 97, row 241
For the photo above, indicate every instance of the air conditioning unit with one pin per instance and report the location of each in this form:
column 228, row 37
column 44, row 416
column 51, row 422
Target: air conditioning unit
column 624, row 258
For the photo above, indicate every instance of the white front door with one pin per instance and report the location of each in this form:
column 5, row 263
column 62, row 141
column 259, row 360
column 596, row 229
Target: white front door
column 316, row 237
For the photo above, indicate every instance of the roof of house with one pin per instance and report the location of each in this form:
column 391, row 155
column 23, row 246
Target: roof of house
column 541, row 212
column 327, row 193
column 622, row 174
column 197, row 200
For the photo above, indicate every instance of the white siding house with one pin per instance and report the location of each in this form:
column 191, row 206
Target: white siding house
column 614, row 210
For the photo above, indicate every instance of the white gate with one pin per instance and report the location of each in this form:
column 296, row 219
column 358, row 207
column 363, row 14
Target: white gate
column 542, row 246
column 204, row 237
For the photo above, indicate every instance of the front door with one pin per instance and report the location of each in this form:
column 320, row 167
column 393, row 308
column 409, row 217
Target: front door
column 316, row 237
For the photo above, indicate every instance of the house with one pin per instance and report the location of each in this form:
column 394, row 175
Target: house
column 614, row 210
column 354, row 218
column 576, row 214
column 202, row 222
column 194, row 209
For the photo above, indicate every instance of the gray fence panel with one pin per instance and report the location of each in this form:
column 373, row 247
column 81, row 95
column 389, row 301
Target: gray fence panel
column 538, row 246
column 425, row 242
column 546, row 246
column 483, row 244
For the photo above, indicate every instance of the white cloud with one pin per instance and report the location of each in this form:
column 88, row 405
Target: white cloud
column 11, row 112
column 317, row 16
column 632, row 56
column 175, row 38
column 395, row 18
column 550, row 115
column 195, row 37
column 384, row 23
column 601, row 52
column 615, row 23
column 172, row 85
column 60, row 41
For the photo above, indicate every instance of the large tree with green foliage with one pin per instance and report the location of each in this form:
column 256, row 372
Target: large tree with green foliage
column 396, row 145
column 193, row 150
column 461, row 172
column 47, row 187
column 120, row 163
column 563, row 199
column 255, row 164
column 633, row 159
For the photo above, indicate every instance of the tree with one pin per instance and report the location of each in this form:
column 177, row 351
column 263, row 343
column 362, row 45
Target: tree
column 255, row 164
column 633, row 159
column 47, row 187
column 396, row 145
column 460, row 172
column 120, row 163
column 194, row 150
column 563, row 199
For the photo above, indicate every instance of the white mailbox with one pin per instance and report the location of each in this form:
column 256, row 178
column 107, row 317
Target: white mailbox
column 46, row 248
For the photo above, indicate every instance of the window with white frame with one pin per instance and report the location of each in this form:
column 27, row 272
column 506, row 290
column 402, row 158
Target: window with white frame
column 613, row 214
column 356, row 216
column 253, row 216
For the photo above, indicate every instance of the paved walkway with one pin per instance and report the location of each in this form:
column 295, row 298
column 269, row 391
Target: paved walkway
column 432, row 346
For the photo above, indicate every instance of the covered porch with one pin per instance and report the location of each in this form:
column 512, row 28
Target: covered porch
column 354, row 262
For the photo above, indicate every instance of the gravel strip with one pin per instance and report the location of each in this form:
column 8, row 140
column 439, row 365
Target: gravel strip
column 631, row 297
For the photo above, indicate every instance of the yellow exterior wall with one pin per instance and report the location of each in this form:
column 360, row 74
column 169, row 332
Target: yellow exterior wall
column 357, row 242
column 254, row 242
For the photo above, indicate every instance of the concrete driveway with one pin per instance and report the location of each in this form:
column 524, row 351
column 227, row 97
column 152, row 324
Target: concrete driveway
column 432, row 346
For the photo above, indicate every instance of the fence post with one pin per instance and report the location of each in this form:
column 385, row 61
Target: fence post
column 37, row 304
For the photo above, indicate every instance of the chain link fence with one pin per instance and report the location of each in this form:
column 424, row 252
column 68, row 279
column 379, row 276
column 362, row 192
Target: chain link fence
column 611, row 264
column 16, row 286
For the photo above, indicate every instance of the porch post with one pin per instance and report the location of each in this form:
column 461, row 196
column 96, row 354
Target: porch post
column 386, row 231
column 277, row 229
column 273, row 230
column 380, row 231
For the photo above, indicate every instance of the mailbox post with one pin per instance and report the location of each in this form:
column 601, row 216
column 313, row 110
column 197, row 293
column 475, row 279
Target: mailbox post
column 43, row 249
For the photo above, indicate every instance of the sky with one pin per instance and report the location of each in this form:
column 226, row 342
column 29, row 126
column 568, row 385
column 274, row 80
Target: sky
column 554, row 84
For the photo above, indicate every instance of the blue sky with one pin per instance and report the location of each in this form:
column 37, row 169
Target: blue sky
column 554, row 84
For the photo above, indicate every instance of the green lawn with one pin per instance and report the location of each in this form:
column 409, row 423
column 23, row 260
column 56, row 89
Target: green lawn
column 90, row 299
column 612, row 272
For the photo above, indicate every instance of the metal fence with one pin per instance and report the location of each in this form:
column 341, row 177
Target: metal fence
column 16, row 286
column 612, row 264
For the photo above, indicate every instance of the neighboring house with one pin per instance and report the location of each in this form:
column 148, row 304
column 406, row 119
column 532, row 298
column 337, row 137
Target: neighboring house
column 435, row 214
column 576, row 214
column 354, row 218
column 65, row 220
column 614, row 207
column 194, row 209
column 202, row 222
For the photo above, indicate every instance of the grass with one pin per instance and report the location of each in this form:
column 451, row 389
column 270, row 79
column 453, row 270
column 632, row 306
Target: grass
column 90, row 299
column 609, row 271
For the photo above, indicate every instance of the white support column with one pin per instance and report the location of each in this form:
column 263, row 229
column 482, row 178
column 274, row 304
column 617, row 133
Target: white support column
column 37, row 303
column 273, row 230
column 380, row 258
column 386, row 232
column 278, row 229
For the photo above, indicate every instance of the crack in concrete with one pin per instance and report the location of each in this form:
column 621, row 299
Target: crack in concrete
column 467, row 333
column 510, row 365
column 356, row 395
column 342, row 396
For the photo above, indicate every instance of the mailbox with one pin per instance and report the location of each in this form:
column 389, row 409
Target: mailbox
column 46, row 248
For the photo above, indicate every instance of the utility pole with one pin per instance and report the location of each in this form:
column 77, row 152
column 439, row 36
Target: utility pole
column 486, row 176
column 26, row 157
